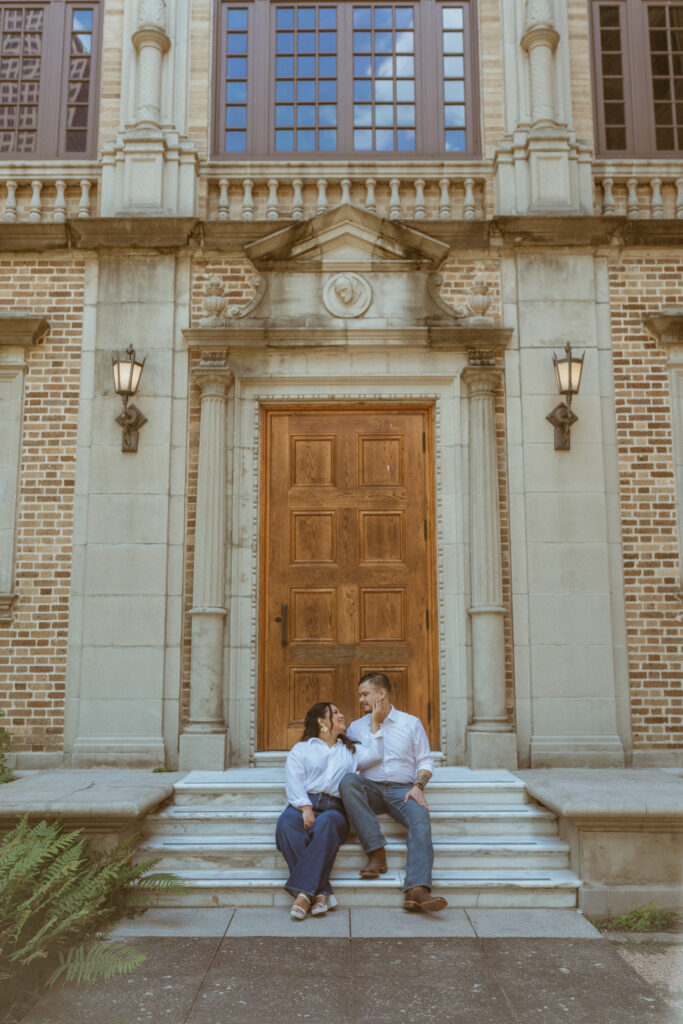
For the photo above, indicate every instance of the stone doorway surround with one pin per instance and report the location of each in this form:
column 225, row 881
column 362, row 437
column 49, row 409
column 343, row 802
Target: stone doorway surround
column 346, row 309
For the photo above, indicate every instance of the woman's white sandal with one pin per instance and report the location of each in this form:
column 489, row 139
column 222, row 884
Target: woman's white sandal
column 300, row 909
column 322, row 903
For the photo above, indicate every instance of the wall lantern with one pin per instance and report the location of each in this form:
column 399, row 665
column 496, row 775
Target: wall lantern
column 568, row 375
column 127, row 373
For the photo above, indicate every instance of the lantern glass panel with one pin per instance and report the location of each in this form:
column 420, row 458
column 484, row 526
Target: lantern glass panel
column 577, row 367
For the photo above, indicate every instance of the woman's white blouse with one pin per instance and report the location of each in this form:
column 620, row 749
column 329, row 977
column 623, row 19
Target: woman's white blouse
column 313, row 767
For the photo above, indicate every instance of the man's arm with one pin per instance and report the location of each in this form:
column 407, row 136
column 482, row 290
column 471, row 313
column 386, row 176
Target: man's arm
column 425, row 764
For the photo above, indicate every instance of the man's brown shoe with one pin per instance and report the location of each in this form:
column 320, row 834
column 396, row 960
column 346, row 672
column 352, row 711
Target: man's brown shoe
column 420, row 898
column 376, row 865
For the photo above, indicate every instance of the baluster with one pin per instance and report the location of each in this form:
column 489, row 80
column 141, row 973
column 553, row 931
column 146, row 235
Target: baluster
column 272, row 207
column 247, row 199
column 657, row 203
column 370, row 201
column 322, row 196
column 60, row 201
column 297, row 199
column 346, row 191
column 10, row 212
column 420, row 208
column 35, row 209
column 223, row 200
column 394, row 200
column 632, row 207
column 608, row 204
column 445, row 200
column 84, row 201
column 679, row 198
column 470, row 204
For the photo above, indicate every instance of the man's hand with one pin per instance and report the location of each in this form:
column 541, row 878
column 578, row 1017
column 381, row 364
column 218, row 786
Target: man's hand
column 417, row 795
column 308, row 816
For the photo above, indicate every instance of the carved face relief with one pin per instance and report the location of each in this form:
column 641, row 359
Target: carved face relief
column 347, row 295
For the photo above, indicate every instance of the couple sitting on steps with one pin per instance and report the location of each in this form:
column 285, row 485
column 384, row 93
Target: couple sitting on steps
column 380, row 765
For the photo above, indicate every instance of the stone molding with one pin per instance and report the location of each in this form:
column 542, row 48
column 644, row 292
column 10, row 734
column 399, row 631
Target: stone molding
column 22, row 328
column 666, row 327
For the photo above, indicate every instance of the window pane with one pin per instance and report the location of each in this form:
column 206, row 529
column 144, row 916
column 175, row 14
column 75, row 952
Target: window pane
column 327, row 92
column 305, row 116
column 327, row 17
column 362, row 139
column 237, row 67
column 76, row 142
column 664, row 138
column 404, row 17
column 327, row 115
column 284, row 141
column 285, row 17
column 235, row 142
column 405, row 140
column 236, row 117
column 327, row 140
column 615, row 139
column 384, row 91
column 237, row 20
column 405, row 91
column 454, row 91
column 237, row 42
column 327, row 67
column 284, row 116
column 305, row 42
column 305, row 141
column 383, row 17
column 384, row 114
column 305, row 92
column 452, row 17
column 455, row 141
column 305, row 17
column 384, row 140
column 362, row 17
column 80, row 22
column 305, row 66
column 284, row 42
column 236, row 92
column 362, row 91
column 405, row 115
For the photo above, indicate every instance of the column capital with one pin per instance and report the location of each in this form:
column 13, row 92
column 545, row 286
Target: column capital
column 482, row 380
column 214, row 379
column 540, row 35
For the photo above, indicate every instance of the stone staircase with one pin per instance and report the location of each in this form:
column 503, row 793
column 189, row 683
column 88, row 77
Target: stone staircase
column 494, row 846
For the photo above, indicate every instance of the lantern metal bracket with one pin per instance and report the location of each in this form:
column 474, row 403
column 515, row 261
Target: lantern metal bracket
column 130, row 421
column 562, row 418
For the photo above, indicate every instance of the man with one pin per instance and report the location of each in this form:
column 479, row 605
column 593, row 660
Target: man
column 395, row 786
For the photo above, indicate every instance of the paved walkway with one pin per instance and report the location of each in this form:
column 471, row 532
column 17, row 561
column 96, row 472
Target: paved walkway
column 257, row 966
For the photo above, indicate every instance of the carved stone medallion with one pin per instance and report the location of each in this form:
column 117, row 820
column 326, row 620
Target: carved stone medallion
column 347, row 295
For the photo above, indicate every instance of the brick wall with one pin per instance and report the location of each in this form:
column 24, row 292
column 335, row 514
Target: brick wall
column 33, row 647
column 640, row 285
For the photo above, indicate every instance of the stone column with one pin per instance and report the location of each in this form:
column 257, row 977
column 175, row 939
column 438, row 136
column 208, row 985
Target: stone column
column 540, row 41
column 151, row 42
column 203, row 743
column 491, row 742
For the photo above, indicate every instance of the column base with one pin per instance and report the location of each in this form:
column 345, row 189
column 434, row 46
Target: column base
column 204, row 751
column 576, row 752
column 491, row 749
column 118, row 752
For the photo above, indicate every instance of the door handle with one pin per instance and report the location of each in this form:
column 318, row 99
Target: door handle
column 283, row 619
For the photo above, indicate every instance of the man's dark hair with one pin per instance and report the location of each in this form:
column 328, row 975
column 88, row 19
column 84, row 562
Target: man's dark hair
column 376, row 679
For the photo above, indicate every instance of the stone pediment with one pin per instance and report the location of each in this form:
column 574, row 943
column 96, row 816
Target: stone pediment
column 347, row 238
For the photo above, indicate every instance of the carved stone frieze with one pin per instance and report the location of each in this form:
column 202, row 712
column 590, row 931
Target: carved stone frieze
column 347, row 295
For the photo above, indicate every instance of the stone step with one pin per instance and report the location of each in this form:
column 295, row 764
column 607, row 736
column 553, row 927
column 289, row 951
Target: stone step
column 462, row 888
column 451, row 852
column 196, row 820
column 265, row 788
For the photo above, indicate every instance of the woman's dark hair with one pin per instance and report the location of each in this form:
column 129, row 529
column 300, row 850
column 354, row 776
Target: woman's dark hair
column 312, row 729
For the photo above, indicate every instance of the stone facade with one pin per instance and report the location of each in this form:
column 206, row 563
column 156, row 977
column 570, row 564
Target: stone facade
column 129, row 583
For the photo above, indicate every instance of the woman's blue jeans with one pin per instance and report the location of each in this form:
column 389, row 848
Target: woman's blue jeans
column 310, row 855
column 365, row 799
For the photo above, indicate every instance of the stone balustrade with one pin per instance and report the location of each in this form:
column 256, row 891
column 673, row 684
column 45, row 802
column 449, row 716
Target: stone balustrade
column 291, row 191
column 640, row 190
column 39, row 193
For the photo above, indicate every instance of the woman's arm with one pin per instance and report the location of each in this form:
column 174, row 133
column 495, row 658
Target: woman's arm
column 371, row 752
column 295, row 778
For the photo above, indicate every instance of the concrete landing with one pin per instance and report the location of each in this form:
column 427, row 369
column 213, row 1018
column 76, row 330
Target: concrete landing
column 229, row 969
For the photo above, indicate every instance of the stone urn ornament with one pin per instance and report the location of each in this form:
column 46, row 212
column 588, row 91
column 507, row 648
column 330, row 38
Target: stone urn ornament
column 215, row 302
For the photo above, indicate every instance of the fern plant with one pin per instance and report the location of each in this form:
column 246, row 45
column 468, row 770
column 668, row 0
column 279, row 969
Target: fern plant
column 56, row 894
column 6, row 744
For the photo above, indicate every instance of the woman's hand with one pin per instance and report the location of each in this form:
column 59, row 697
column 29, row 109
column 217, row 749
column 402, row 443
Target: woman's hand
column 308, row 816
column 380, row 710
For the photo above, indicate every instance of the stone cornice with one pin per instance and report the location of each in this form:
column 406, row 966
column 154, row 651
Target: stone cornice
column 163, row 233
column 666, row 326
column 20, row 327
column 294, row 335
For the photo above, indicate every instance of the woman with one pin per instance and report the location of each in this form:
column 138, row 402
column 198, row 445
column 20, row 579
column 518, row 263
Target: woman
column 313, row 825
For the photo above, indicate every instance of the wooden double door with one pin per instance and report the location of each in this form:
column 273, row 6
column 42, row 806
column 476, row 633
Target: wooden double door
column 347, row 563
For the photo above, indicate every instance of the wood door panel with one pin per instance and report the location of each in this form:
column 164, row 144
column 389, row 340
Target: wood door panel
column 382, row 614
column 347, row 520
column 382, row 536
column 312, row 615
column 313, row 537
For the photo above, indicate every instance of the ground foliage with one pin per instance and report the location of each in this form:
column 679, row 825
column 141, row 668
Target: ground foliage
column 6, row 744
column 650, row 918
column 57, row 894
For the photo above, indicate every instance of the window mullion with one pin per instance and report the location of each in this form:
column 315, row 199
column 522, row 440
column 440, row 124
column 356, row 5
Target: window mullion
column 51, row 111
column 345, row 78
column 427, row 79
column 641, row 137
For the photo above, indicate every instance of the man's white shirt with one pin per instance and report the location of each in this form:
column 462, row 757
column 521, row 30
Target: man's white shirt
column 406, row 747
